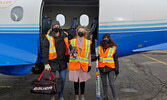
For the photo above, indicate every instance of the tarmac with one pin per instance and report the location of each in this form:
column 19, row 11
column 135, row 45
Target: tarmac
column 142, row 76
column 162, row 52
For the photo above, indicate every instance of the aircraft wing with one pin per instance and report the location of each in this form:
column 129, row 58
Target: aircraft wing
column 150, row 48
column 14, row 56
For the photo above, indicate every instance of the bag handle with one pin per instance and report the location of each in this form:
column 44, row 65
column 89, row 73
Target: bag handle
column 45, row 71
column 41, row 75
column 51, row 74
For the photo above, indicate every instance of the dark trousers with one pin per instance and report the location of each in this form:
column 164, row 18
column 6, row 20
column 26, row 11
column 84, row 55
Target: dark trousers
column 110, row 76
column 76, row 87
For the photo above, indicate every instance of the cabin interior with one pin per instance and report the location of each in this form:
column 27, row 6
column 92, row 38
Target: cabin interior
column 71, row 14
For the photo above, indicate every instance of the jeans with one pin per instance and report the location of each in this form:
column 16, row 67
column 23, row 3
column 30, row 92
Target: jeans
column 62, row 75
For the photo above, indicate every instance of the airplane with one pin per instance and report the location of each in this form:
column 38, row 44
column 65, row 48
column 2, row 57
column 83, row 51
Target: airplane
column 135, row 25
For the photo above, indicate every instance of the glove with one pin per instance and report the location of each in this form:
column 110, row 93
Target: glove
column 89, row 68
column 116, row 72
column 47, row 67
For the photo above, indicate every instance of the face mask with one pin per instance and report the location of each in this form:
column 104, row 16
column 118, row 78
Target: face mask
column 105, row 41
column 80, row 34
column 56, row 29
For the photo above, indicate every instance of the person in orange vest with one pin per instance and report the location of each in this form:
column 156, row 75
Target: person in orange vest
column 80, row 65
column 55, row 49
column 108, row 65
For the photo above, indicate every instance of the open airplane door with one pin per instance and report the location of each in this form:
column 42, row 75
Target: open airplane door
column 19, row 35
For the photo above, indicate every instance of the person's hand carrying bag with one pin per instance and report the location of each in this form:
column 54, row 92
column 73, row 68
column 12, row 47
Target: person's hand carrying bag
column 47, row 67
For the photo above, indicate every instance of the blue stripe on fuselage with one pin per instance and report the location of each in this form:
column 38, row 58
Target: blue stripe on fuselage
column 131, row 25
column 133, row 29
column 19, row 28
column 19, row 25
column 22, row 31
column 130, row 21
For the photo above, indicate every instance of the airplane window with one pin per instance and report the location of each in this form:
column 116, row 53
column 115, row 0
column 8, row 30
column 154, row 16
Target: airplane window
column 17, row 13
column 84, row 20
column 61, row 19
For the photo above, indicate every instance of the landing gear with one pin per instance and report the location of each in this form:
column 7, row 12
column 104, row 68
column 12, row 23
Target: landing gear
column 38, row 68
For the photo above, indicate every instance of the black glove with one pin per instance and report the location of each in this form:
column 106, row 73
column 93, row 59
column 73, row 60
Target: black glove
column 95, row 57
column 89, row 68
column 116, row 72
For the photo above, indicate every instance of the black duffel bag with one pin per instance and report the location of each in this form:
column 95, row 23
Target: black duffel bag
column 43, row 85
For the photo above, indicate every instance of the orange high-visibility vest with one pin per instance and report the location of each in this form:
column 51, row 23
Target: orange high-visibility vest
column 52, row 48
column 67, row 45
column 106, row 58
column 81, row 60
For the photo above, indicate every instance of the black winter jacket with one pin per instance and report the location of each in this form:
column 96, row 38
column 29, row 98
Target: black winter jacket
column 60, row 62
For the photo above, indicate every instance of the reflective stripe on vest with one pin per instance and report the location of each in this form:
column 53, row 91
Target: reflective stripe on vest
column 87, row 48
column 79, row 59
column 52, row 50
column 73, row 42
column 106, row 58
column 67, row 45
